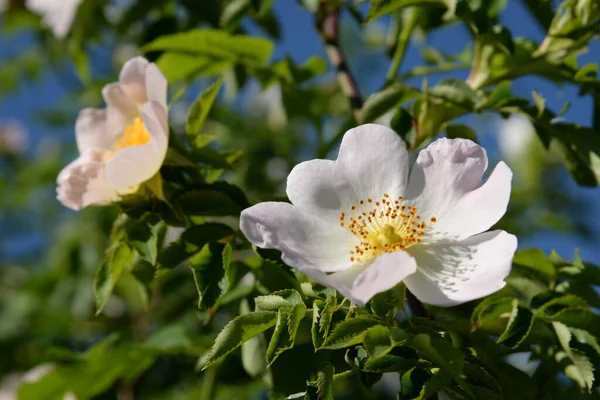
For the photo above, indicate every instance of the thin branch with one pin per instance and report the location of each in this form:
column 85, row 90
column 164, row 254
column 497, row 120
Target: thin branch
column 328, row 27
column 408, row 25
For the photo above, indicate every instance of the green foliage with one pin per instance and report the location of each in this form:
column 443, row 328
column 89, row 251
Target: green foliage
column 176, row 283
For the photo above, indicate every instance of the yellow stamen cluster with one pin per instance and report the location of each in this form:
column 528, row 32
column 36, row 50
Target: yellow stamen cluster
column 383, row 226
column 135, row 135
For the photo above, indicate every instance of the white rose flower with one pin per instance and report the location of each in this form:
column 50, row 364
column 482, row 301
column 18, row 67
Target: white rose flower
column 122, row 145
column 361, row 225
column 57, row 14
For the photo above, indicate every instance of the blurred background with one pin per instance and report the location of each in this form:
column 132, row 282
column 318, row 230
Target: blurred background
column 49, row 254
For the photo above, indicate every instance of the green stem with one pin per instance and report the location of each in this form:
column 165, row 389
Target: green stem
column 208, row 383
column 404, row 36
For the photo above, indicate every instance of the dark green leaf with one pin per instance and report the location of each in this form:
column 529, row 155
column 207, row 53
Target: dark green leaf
column 380, row 103
column 288, row 319
column 199, row 109
column 350, row 332
column 442, row 353
column 581, row 370
column 209, row 273
column 581, row 318
column 216, row 44
column 274, row 301
column 191, row 241
column 490, row 310
column 518, row 327
column 461, row 131
column 118, row 258
column 383, row 7
column 325, row 382
column 238, row 331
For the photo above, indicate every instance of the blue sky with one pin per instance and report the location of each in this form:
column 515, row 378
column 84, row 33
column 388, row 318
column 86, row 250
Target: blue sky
column 300, row 41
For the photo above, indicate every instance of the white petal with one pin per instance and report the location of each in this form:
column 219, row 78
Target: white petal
column 93, row 132
column 58, row 15
column 306, row 242
column 133, row 79
column 454, row 272
column 361, row 283
column 446, row 183
column 136, row 164
column 115, row 97
column 372, row 161
column 83, row 182
column 156, row 85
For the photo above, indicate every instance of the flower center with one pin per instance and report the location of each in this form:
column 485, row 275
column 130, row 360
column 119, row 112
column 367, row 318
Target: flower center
column 135, row 135
column 383, row 226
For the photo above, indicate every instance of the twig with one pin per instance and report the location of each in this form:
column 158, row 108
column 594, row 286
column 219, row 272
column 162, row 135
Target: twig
column 328, row 22
column 408, row 25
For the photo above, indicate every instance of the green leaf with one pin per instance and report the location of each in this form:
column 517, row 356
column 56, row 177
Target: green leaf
column 118, row 258
column 581, row 370
column 133, row 291
column 412, row 382
column 461, row 131
column 381, row 102
column 209, row 273
column 288, row 320
column 540, row 102
column 322, row 316
column 558, row 303
column 199, row 109
column 454, row 91
column 535, row 260
column 377, row 341
column 238, row 331
column 216, row 44
column 581, row 318
column 276, row 300
column 442, row 353
column 211, row 200
column 389, row 302
column 191, row 241
column 518, row 327
column 178, row 66
column 501, row 94
column 490, row 310
column 288, row 72
column 209, row 156
column 383, row 7
column 143, row 235
column 350, row 332
column 253, row 349
column 392, row 362
column 325, row 382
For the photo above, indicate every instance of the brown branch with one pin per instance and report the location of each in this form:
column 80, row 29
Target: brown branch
column 328, row 26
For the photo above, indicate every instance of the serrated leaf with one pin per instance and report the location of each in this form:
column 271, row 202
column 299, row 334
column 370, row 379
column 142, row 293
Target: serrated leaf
column 391, row 363
column 454, row 91
column 143, row 235
column 117, row 259
column 182, row 66
column 209, row 273
column 441, row 353
column 350, row 332
column 556, row 304
column 325, row 382
column 581, row 370
column 199, row 109
column 580, row 318
column 377, row 341
column 276, row 300
column 191, row 241
column 490, row 309
column 238, row 331
column 518, row 327
column 253, row 361
column 288, row 319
